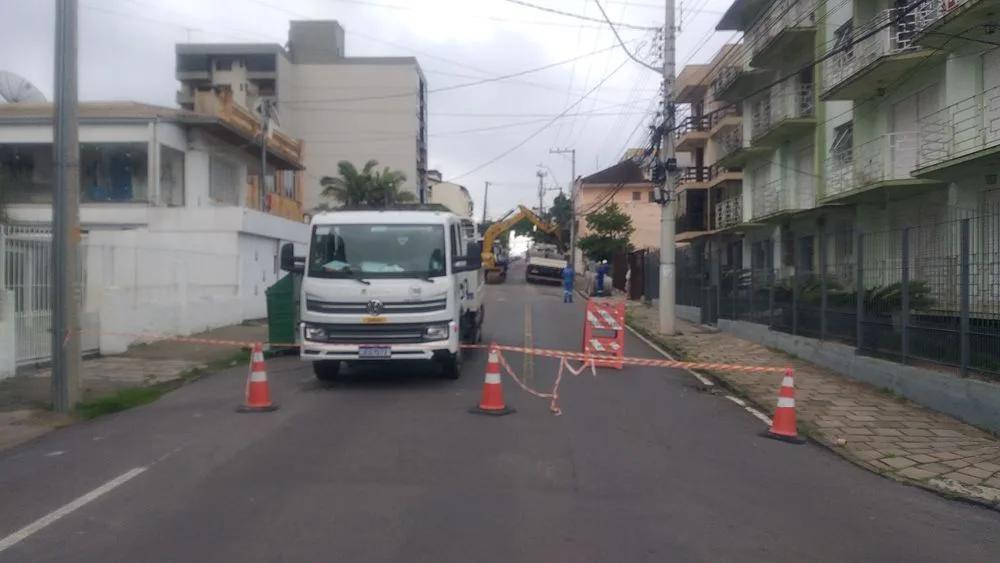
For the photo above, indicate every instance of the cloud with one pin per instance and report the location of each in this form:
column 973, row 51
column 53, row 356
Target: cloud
column 127, row 52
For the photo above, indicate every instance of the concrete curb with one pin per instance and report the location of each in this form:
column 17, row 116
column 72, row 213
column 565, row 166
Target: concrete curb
column 822, row 443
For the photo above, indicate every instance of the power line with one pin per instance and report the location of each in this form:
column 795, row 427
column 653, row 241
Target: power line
column 542, row 129
column 580, row 16
column 462, row 85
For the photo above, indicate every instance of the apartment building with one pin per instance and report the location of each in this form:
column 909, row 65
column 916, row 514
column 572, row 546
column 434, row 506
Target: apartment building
column 710, row 195
column 344, row 108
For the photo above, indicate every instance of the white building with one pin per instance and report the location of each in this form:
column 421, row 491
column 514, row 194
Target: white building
column 453, row 196
column 171, row 240
column 344, row 108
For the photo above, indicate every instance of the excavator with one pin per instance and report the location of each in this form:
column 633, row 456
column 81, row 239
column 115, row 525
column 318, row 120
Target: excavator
column 494, row 271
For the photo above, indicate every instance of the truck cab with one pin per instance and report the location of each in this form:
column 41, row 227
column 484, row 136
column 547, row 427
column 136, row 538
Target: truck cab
column 388, row 286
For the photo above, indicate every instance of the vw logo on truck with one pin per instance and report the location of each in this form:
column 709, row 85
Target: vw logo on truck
column 374, row 307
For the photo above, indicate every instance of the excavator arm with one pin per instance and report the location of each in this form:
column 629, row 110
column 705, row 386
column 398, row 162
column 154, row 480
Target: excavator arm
column 512, row 218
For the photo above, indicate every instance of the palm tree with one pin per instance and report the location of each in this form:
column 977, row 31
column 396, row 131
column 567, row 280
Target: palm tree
column 367, row 186
column 350, row 187
column 385, row 188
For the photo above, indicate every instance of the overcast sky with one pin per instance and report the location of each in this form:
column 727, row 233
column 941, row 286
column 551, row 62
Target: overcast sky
column 127, row 53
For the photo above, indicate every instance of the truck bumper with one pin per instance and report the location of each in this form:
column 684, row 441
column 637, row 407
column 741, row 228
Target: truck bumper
column 433, row 350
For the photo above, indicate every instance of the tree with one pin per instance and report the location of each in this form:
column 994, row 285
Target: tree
column 353, row 187
column 610, row 230
column 385, row 186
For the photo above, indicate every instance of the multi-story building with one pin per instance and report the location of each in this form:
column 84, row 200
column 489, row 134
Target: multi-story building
column 709, row 196
column 173, row 236
column 344, row 108
column 449, row 194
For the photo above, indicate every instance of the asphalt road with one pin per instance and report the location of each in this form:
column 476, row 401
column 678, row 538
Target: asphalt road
column 390, row 467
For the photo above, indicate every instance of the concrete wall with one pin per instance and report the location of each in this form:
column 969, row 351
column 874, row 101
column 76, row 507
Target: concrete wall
column 355, row 112
column 454, row 197
column 973, row 401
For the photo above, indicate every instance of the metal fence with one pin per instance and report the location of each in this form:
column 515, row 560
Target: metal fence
column 923, row 295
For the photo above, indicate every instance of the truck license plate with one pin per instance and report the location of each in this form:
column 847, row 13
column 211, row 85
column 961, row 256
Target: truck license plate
column 375, row 352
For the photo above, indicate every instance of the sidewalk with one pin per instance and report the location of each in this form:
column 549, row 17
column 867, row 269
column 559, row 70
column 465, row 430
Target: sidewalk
column 879, row 431
column 25, row 398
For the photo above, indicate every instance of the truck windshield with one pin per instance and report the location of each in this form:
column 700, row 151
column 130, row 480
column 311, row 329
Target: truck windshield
column 377, row 251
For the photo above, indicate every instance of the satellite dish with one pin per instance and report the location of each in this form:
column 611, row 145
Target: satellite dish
column 15, row 89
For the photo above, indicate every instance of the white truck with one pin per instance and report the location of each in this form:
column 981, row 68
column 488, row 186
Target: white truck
column 387, row 286
column 545, row 262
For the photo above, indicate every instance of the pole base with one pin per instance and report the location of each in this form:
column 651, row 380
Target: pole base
column 783, row 438
column 263, row 408
column 492, row 412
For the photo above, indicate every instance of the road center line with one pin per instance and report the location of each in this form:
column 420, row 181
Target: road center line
column 67, row 509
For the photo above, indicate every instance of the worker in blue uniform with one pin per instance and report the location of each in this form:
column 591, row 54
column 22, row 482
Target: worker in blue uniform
column 569, row 276
column 602, row 270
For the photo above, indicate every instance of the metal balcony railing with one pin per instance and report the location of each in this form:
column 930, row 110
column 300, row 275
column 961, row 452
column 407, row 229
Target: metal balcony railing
column 789, row 100
column 725, row 77
column 781, row 15
column 716, row 117
column 783, row 194
column 729, row 212
column 961, row 129
column 694, row 174
column 929, row 12
column 692, row 124
column 884, row 158
column 895, row 39
column 729, row 143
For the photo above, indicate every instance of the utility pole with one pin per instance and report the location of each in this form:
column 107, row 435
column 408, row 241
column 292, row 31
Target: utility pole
column 66, row 234
column 486, row 195
column 668, row 289
column 572, row 202
column 541, row 192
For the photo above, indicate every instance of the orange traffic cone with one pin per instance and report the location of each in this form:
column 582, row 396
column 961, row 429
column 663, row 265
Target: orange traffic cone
column 258, row 392
column 492, row 399
column 783, row 425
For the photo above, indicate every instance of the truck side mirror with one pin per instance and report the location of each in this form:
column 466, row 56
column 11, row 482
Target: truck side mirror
column 473, row 255
column 288, row 261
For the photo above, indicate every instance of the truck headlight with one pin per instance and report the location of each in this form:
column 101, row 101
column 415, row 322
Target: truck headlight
column 315, row 333
column 437, row 332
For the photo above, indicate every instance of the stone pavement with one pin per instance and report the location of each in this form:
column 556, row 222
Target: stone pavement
column 24, row 399
column 877, row 430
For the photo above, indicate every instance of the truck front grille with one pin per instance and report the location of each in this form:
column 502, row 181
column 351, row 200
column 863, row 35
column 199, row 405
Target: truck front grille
column 389, row 333
column 388, row 308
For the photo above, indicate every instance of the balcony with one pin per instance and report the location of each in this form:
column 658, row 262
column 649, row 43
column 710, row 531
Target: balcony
column 720, row 174
column 275, row 203
column 693, row 216
column 877, row 62
column 733, row 153
column 694, row 177
column 741, row 14
column 884, row 162
column 692, row 133
column 787, row 28
column 722, row 121
column 246, row 124
column 952, row 24
column 735, row 83
column 787, row 112
column 782, row 196
column 964, row 136
column 729, row 212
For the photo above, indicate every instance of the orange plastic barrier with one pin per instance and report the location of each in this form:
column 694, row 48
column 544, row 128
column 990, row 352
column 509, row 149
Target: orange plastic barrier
column 604, row 333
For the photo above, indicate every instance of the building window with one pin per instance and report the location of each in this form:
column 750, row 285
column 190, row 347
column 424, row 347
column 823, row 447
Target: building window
column 843, row 142
column 171, row 177
column 116, row 172
column 652, row 196
column 224, row 181
column 843, row 39
column 288, row 183
column 636, row 196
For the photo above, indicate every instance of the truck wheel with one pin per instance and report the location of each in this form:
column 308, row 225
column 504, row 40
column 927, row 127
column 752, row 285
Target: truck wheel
column 326, row 371
column 452, row 367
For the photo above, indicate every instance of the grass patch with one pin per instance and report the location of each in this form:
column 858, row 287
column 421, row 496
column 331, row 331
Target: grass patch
column 131, row 397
